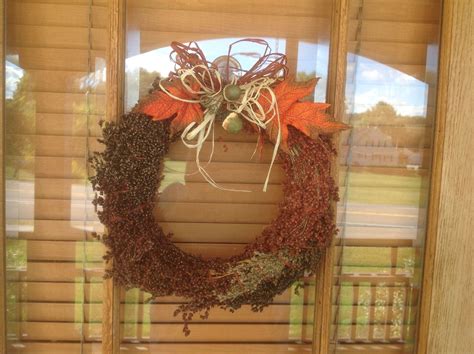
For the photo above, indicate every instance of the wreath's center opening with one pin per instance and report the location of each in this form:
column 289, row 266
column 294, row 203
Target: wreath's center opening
column 208, row 221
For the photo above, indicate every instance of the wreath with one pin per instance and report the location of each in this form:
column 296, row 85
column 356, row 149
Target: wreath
column 187, row 105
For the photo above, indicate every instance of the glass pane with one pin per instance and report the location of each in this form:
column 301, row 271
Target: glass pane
column 301, row 31
column 384, row 172
column 55, row 74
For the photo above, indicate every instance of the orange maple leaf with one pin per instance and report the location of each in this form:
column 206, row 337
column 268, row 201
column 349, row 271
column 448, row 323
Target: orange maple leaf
column 308, row 117
column 159, row 105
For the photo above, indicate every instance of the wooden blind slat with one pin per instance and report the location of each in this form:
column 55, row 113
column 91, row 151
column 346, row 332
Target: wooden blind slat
column 75, row 125
column 403, row 10
column 64, row 292
column 68, row 230
column 56, row 59
column 54, row 209
column 36, row 36
column 58, row 146
column 63, row 2
column 94, row 348
column 58, row 272
column 64, row 82
column 178, row 190
column 68, row 167
column 205, row 332
column 93, row 272
column 49, row 14
column 266, row 7
column 163, row 313
column 158, row 313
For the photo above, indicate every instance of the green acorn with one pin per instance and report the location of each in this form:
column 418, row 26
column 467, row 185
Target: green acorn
column 232, row 92
column 233, row 123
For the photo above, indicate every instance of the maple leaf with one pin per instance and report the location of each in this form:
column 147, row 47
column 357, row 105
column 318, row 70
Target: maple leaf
column 159, row 106
column 289, row 91
column 308, row 117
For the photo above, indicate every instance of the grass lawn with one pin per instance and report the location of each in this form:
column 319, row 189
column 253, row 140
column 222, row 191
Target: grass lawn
column 372, row 188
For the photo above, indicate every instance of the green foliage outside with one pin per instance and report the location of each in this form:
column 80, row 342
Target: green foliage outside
column 20, row 114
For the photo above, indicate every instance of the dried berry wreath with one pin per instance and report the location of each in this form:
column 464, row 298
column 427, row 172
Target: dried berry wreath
column 186, row 105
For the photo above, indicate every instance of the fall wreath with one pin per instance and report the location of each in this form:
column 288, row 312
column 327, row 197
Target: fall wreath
column 186, row 105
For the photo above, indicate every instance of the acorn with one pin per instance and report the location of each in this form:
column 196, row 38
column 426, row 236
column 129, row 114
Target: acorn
column 233, row 123
column 232, row 92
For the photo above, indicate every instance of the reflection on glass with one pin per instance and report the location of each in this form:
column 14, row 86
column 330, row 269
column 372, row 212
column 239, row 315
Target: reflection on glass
column 313, row 62
column 20, row 113
column 142, row 69
column 53, row 100
column 384, row 171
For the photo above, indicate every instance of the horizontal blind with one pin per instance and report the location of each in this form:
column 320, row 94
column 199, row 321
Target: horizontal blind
column 56, row 66
column 55, row 274
column 390, row 89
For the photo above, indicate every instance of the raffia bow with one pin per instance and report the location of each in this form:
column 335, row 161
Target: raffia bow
column 204, row 81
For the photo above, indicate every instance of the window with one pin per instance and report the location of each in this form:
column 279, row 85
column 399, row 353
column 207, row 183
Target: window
column 56, row 93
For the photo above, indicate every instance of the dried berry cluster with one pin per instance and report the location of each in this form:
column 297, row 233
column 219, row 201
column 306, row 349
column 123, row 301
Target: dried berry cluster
column 128, row 174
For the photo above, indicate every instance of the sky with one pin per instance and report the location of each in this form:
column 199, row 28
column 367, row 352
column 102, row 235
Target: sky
column 13, row 74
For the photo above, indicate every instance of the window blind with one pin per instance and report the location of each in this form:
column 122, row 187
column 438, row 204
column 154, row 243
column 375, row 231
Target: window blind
column 55, row 267
column 55, row 64
column 391, row 76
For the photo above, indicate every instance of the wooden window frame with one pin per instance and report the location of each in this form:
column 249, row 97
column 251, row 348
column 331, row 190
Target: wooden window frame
column 443, row 323
column 3, row 271
column 336, row 97
column 446, row 222
column 115, row 86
